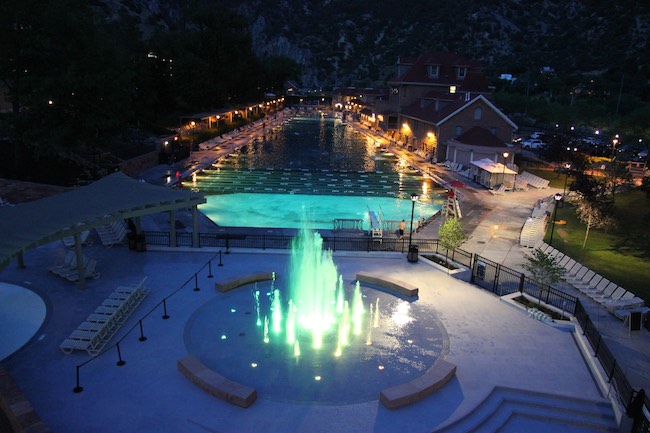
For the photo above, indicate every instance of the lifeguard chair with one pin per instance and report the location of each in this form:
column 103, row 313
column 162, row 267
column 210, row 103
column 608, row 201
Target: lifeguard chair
column 452, row 209
column 376, row 231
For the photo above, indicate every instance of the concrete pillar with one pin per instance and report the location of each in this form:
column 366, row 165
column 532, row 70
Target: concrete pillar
column 80, row 260
column 172, row 228
column 195, row 227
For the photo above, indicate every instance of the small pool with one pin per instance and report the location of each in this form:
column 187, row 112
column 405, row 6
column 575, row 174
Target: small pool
column 22, row 313
column 402, row 343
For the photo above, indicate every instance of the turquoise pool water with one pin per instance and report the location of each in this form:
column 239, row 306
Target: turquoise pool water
column 288, row 210
column 314, row 169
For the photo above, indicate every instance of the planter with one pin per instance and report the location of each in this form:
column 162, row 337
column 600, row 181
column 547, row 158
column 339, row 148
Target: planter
column 459, row 271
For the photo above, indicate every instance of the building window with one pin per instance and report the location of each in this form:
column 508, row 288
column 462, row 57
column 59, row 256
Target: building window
column 478, row 113
column 452, row 89
column 459, row 130
column 461, row 72
column 434, row 71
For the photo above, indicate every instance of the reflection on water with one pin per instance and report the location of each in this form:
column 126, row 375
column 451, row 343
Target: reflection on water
column 314, row 167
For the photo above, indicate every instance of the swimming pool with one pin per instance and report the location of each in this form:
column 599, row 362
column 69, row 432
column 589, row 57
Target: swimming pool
column 316, row 169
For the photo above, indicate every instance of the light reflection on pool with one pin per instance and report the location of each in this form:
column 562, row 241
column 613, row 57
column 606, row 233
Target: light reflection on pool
column 288, row 211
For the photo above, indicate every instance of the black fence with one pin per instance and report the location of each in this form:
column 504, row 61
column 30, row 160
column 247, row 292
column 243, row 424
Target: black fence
column 632, row 400
column 486, row 274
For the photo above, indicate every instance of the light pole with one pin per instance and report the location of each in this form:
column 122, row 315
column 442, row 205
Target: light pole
column 557, row 198
column 192, row 125
column 567, row 166
column 505, row 161
column 414, row 198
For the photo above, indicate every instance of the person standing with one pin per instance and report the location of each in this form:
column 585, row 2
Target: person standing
column 402, row 227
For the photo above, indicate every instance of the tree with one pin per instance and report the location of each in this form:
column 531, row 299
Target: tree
column 451, row 235
column 595, row 203
column 543, row 268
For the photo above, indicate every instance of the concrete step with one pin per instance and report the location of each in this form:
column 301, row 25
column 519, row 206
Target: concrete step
column 505, row 407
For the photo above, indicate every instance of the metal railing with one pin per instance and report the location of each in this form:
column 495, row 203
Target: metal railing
column 486, row 274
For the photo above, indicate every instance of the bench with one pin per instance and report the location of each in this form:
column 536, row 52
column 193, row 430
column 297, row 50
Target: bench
column 214, row 383
column 225, row 286
column 391, row 284
column 417, row 389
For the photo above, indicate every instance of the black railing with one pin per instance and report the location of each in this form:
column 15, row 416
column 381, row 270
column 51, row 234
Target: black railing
column 191, row 282
column 487, row 274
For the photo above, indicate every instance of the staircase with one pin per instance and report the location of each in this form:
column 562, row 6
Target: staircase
column 509, row 410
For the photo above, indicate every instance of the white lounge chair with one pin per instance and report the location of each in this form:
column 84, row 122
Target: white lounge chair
column 500, row 190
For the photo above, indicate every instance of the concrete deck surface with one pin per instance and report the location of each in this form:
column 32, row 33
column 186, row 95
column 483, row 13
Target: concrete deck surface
column 492, row 342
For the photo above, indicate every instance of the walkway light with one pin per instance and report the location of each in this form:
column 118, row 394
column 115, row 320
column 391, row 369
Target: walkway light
column 414, row 198
column 567, row 166
column 505, row 161
column 557, row 198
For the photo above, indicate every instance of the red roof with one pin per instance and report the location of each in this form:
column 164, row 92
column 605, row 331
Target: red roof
column 478, row 136
column 448, row 64
column 429, row 114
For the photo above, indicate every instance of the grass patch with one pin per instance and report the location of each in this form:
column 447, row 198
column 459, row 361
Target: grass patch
column 621, row 254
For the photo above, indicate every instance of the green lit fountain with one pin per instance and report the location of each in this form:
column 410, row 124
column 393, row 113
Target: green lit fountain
column 317, row 309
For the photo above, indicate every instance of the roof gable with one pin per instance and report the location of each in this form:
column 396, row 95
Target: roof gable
column 477, row 136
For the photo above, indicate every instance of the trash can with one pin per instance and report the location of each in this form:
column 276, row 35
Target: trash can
column 140, row 243
column 412, row 255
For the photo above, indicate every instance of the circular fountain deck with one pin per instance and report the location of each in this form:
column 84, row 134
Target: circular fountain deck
column 396, row 346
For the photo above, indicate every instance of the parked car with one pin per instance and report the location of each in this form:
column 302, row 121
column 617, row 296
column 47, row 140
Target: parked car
column 536, row 134
column 532, row 143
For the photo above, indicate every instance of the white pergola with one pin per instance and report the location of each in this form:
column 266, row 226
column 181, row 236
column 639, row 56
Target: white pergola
column 114, row 197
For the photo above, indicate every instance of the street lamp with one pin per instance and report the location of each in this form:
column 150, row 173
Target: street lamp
column 567, row 166
column 505, row 161
column 614, row 143
column 414, row 198
column 192, row 125
column 557, row 198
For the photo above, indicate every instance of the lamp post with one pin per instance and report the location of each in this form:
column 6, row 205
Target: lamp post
column 567, row 166
column 505, row 161
column 557, row 198
column 414, row 198
column 192, row 125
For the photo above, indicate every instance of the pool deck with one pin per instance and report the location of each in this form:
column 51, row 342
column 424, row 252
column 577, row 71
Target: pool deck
column 493, row 343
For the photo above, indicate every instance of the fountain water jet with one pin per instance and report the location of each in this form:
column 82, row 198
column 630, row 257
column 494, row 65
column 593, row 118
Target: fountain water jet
column 316, row 304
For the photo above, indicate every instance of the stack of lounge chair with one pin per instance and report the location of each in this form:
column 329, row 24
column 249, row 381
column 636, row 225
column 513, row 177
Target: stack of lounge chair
column 112, row 234
column 70, row 271
column 500, row 190
column 84, row 236
column 98, row 328
column 534, row 228
column 532, row 180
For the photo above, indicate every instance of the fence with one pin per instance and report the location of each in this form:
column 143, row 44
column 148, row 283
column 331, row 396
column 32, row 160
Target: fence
column 139, row 324
column 486, row 274
column 636, row 403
